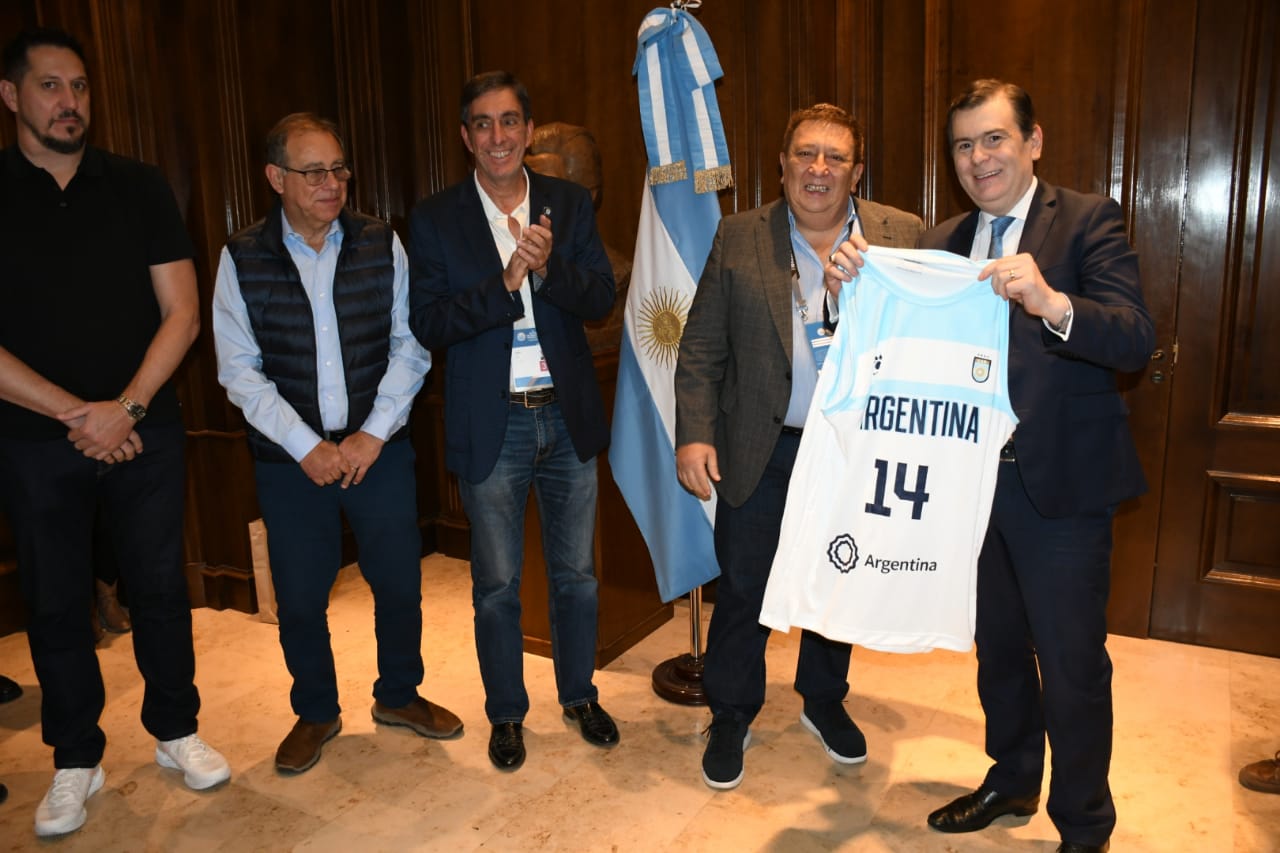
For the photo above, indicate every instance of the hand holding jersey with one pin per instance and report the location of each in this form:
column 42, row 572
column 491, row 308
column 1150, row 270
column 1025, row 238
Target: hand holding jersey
column 843, row 265
column 893, row 481
column 1017, row 278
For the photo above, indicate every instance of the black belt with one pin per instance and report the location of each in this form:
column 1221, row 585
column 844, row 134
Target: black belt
column 535, row 399
column 790, row 430
column 1006, row 452
column 336, row 435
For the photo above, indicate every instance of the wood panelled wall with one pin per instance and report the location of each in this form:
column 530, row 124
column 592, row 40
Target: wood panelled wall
column 1138, row 99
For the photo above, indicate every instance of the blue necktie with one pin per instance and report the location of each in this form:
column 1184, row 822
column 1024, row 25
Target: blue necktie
column 998, row 226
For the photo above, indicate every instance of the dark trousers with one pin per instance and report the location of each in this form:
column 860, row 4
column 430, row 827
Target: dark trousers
column 1043, row 667
column 105, row 567
column 52, row 493
column 304, row 543
column 746, row 538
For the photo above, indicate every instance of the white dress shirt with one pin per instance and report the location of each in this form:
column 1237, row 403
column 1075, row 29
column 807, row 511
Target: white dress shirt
column 981, row 249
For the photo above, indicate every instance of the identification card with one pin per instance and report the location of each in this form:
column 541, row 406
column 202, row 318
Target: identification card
column 528, row 365
column 819, row 341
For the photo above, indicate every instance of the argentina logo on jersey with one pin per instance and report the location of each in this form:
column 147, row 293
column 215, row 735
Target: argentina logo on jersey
column 981, row 369
column 843, row 553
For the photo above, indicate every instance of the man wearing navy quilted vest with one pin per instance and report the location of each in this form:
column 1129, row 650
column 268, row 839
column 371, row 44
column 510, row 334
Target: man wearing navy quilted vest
column 310, row 319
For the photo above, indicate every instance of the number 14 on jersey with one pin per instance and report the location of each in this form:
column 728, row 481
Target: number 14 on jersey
column 917, row 497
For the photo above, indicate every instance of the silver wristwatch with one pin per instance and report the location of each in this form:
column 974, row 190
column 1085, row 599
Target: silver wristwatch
column 137, row 411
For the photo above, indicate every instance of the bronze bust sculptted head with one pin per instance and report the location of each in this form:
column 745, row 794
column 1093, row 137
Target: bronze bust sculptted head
column 569, row 151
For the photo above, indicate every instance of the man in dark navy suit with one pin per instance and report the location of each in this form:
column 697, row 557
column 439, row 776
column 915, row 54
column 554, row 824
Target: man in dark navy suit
column 1063, row 261
column 505, row 267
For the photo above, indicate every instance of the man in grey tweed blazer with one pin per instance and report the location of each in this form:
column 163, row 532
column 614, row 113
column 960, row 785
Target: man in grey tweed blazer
column 748, row 366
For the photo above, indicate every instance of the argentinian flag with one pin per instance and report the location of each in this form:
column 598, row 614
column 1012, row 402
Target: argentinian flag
column 676, row 67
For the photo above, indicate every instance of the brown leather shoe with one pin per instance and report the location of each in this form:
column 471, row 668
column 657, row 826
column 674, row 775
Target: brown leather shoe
column 113, row 617
column 1263, row 776
column 300, row 749
column 426, row 718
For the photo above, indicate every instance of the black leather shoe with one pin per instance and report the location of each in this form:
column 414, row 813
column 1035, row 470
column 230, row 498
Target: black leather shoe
column 9, row 689
column 974, row 811
column 1077, row 847
column 596, row 724
column 506, row 746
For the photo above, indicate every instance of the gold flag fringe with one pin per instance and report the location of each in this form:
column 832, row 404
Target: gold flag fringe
column 712, row 180
column 668, row 174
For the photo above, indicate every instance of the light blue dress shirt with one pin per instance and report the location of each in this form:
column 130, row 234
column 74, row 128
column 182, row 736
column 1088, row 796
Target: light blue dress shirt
column 804, row 369
column 240, row 357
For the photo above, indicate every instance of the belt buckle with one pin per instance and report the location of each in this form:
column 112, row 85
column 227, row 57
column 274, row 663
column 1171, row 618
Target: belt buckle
column 538, row 397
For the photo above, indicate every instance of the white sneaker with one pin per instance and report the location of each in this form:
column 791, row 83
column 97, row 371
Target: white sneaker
column 202, row 765
column 62, row 809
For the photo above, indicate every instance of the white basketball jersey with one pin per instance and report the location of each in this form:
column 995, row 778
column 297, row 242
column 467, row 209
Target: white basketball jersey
column 893, row 481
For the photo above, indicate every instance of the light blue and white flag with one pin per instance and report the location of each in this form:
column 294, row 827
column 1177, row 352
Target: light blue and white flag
column 676, row 67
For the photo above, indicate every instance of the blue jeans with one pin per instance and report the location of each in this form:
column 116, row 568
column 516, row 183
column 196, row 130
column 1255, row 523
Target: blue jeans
column 53, row 494
column 537, row 451
column 304, row 541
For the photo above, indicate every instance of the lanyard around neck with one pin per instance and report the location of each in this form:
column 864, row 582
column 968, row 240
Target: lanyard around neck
column 802, row 305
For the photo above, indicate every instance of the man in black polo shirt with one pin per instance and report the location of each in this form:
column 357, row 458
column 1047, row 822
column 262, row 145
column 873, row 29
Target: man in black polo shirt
column 98, row 305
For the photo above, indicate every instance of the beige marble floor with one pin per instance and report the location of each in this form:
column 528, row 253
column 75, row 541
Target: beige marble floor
column 1186, row 719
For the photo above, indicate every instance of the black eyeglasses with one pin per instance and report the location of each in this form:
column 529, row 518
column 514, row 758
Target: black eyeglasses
column 316, row 177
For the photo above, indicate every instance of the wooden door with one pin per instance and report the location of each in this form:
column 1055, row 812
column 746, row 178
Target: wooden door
column 1217, row 578
column 1171, row 108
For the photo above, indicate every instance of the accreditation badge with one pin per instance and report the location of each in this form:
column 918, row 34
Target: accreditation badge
column 819, row 340
column 528, row 364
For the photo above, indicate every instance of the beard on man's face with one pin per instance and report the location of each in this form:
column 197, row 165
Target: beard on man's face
column 62, row 144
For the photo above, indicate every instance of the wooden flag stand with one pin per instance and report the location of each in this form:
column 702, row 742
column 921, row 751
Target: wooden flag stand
column 679, row 679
